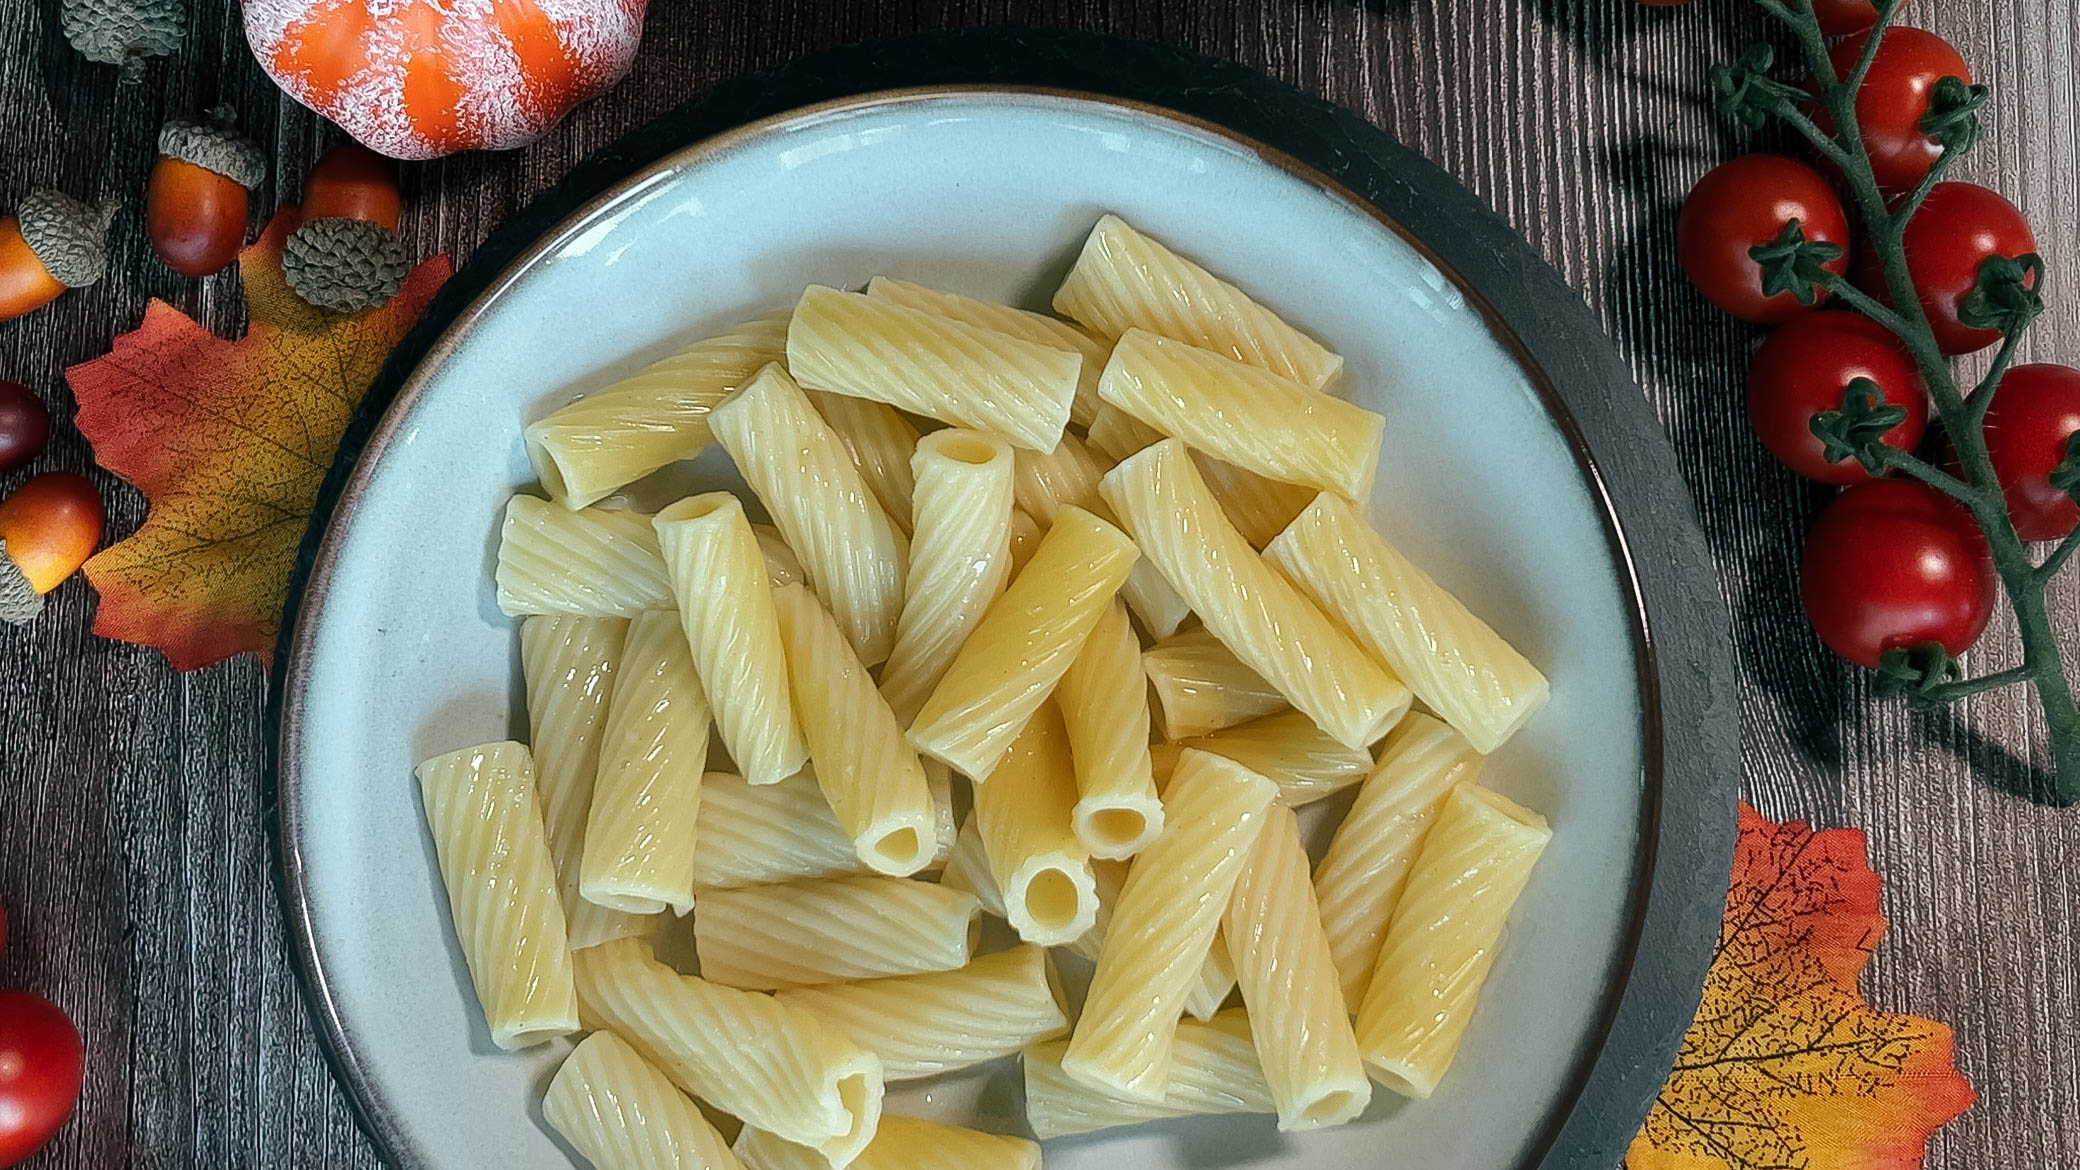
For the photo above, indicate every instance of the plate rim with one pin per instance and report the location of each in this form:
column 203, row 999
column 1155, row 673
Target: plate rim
column 1645, row 1011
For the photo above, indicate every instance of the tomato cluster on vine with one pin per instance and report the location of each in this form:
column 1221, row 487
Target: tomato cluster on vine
column 1892, row 565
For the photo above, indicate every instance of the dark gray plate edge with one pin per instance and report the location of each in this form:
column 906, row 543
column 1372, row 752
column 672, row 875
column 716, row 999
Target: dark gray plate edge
column 1693, row 776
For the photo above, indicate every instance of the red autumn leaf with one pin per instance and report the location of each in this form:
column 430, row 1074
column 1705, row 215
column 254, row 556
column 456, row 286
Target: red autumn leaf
column 1786, row 1067
column 229, row 441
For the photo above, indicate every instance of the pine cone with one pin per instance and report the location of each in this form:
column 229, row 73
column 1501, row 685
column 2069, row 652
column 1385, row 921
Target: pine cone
column 123, row 32
column 214, row 145
column 69, row 237
column 345, row 265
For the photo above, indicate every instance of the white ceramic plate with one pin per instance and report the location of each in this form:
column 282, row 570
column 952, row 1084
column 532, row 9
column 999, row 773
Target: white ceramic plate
column 400, row 651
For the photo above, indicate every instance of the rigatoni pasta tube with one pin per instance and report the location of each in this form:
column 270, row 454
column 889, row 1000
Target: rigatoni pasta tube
column 1259, row 508
column 960, row 374
column 782, row 565
column 1287, row 748
column 1026, row 639
column 1200, row 686
column 1213, row 1069
column 1125, row 280
column 568, row 666
column 870, row 775
column 726, row 608
column 1025, row 539
column 1455, row 662
column 778, row 1068
column 924, row 1025
column 1105, row 709
column 801, row 471
column 751, row 834
column 901, row 1143
column 1040, row 868
column 658, row 415
column 1255, row 420
column 1038, row 328
column 826, row 930
column 880, row 441
column 494, row 859
column 594, row 562
column 1164, row 925
column 622, row 1113
column 1288, row 980
column 1254, row 611
column 1068, row 476
column 1361, row 876
column 967, row 868
column 1441, row 943
column 639, row 837
column 960, row 558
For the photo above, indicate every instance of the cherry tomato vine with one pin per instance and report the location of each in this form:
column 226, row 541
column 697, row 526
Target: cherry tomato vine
column 1945, row 268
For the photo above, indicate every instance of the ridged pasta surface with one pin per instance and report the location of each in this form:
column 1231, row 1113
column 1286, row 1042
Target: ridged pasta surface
column 1104, row 704
column 1038, row 328
column 924, row 1025
column 621, row 1113
column 828, row 930
column 640, row 838
column 1213, row 1069
column 1201, row 687
column 594, row 562
column 1041, row 871
column 902, row 1143
column 756, row 833
column 1304, row 761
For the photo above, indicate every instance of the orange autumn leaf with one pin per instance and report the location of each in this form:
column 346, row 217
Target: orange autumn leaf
column 229, row 441
column 1786, row 1067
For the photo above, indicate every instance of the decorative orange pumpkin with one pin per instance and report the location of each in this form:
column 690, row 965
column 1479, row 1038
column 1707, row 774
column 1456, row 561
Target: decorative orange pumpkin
column 424, row 78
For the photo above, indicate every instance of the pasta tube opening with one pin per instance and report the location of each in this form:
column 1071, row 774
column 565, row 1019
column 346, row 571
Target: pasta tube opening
column 1117, row 826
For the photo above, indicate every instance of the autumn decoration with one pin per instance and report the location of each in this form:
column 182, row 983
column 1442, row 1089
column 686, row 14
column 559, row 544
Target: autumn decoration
column 123, row 32
column 346, row 254
column 51, row 243
column 195, row 200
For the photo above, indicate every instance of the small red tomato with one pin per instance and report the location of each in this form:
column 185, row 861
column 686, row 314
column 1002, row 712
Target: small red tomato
column 24, row 425
column 1893, row 564
column 1839, row 18
column 1806, row 366
column 1895, row 98
column 1746, row 204
column 2028, row 429
column 41, row 1062
column 1957, row 230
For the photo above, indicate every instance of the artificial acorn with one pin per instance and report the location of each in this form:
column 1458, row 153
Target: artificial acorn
column 53, row 242
column 195, row 202
column 48, row 529
column 123, row 32
column 346, row 256
column 25, row 423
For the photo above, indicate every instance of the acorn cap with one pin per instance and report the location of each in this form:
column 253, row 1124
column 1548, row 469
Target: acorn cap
column 69, row 237
column 19, row 600
column 214, row 145
column 345, row 265
column 123, row 32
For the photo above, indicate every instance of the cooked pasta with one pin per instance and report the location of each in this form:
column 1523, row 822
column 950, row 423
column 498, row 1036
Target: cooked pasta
column 960, row 374
column 1041, row 871
column 594, row 562
column 658, row 415
column 1216, row 981
column 494, row 860
column 902, row 1143
column 1360, row 877
column 880, row 441
column 1216, row 977
column 1115, row 434
column 1201, row 687
column 1258, row 507
column 799, row 468
column 1125, row 280
column 1292, row 752
column 967, row 868
column 1164, row 926
column 1441, row 943
column 1047, row 483
column 827, row 930
column 960, row 558
column 1025, row 539
column 1455, row 662
column 868, row 772
column 621, row 1113
column 1288, row 980
column 568, row 665
column 1026, row 639
column 1213, row 1069
column 1243, row 415
column 1253, row 611
column 781, row 564
column 755, row 833
column 640, row 835
column 924, row 1025
column 726, row 608
column 776, row 1067
column 1038, row 328
column 1105, row 709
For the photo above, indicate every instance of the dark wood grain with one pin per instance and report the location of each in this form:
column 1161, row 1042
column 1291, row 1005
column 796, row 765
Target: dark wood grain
column 132, row 857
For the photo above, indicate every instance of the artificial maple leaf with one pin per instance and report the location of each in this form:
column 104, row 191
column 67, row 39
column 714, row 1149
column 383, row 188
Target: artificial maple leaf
column 1786, row 1067
column 228, row 440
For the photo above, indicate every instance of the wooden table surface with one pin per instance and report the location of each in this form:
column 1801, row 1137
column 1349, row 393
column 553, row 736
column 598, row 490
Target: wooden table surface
column 133, row 862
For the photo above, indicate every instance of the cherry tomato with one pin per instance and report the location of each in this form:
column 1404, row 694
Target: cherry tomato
column 1960, row 226
column 41, row 1062
column 1804, row 368
column 1892, row 564
column 1894, row 99
column 24, row 425
column 2028, row 427
column 1744, row 204
column 1839, row 18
